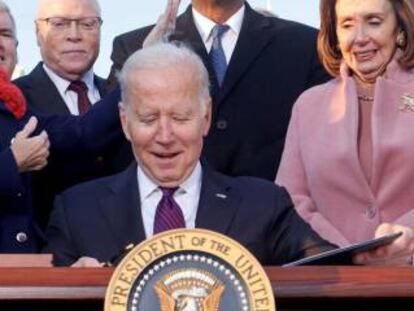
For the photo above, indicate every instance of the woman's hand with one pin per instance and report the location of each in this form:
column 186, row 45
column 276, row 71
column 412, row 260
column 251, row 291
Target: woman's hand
column 30, row 153
column 398, row 253
column 165, row 24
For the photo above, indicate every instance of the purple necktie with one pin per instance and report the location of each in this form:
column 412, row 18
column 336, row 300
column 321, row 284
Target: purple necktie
column 80, row 88
column 168, row 215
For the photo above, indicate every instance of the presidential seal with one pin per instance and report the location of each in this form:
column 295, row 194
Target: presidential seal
column 189, row 270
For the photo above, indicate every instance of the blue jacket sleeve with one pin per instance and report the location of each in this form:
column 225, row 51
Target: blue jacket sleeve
column 93, row 132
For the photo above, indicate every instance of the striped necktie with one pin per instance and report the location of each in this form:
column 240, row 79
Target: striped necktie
column 169, row 214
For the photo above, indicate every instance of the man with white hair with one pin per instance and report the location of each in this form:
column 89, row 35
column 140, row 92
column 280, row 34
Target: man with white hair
column 68, row 34
column 165, row 114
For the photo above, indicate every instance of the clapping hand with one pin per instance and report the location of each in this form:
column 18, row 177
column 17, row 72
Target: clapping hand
column 30, row 153
column 165, row 24
column 398, row 253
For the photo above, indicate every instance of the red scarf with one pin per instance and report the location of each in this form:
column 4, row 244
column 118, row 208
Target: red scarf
column 11, row 95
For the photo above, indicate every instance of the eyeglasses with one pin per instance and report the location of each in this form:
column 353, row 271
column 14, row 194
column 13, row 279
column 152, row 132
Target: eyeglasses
column 62, row 24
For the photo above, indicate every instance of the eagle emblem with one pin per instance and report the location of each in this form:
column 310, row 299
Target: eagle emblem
column 189, row 290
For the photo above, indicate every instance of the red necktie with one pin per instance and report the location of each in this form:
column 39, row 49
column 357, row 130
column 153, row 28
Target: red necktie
column 169, row 214
column 80, row 88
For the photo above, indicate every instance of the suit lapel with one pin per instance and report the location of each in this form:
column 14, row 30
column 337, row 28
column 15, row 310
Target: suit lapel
column 100, row 85
column 255, row 35
column 218, row 203
column 44, row 95
column 121, row 208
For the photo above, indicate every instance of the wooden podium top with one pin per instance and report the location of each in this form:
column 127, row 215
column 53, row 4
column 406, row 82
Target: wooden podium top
column 298, row 282
column 25, row 260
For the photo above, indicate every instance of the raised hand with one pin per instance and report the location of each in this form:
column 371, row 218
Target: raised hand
column 30, row 153
column 165, row 24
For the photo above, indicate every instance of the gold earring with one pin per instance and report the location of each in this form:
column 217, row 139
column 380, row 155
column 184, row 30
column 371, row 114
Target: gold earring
column 401, row 39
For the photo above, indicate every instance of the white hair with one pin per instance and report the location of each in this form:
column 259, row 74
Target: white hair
column 167, row 55
column 5, row 8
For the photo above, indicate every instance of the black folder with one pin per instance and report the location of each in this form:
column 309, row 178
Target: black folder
column 344, row 255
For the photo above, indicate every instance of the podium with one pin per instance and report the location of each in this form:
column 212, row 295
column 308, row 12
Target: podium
column 299, row 288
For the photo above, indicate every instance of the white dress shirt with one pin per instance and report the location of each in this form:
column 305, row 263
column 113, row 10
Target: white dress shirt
column 70, row 97
column 186, row 196
column 205, row 26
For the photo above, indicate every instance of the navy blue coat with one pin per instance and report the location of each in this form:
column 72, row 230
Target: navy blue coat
column 42, row 95
column 70, row 137
column 99, row 218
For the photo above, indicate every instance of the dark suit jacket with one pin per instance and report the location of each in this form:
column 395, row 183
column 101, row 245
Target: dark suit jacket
column 274, row 61
column 43, row 96
column 99, row 218
column 71, row 138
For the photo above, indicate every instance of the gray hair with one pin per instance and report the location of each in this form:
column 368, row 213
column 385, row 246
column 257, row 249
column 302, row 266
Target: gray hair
column 165, row 55
column 5, row 8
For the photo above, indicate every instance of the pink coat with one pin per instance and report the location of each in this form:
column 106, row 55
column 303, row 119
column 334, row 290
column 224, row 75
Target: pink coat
column 320, row 166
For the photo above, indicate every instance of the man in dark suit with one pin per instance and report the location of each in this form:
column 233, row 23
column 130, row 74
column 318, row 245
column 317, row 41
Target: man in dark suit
column 270, row 61
column 165, row 113
column 64, row 83
column 99, row 219
column 43, row 95
column 68, row 54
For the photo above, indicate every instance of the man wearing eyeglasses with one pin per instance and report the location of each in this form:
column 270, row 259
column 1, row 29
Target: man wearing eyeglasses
column 68, row 34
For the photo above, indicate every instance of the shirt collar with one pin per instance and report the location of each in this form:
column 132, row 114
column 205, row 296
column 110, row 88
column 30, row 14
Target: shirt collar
column 205, row 25
column 63, row 84
column 191, row 185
